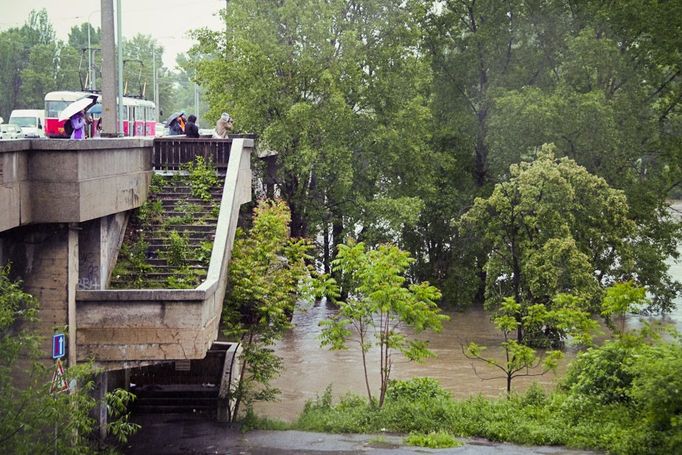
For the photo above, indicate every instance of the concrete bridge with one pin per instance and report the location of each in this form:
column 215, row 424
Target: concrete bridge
column 64, row 206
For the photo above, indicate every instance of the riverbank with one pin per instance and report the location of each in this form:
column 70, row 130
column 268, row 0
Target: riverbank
column 183, row 434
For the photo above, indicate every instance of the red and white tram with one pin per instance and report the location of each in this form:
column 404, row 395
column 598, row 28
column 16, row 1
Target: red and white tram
column 139, row 116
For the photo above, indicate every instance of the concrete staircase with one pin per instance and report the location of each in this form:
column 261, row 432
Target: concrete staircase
column 168, row 241
column 176, row 399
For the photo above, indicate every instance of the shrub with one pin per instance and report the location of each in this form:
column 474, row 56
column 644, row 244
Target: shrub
column 202, row 176
column 415, row 389
column 602, row 373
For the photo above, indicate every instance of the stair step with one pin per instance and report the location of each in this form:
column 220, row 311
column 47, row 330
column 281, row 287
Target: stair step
column 173, row 409
column 158, row 262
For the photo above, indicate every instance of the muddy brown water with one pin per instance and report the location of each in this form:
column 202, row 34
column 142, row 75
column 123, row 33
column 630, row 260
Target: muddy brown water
column 309, row 368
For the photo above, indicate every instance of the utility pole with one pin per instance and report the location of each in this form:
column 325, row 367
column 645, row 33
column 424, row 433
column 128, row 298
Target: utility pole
column 119, row 40
column 155, row 83
column 109, row 82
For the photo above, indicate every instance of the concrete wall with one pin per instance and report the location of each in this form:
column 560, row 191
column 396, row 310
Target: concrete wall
column 99, row 241
column 13, row 178
column 63, row 209
column 65, row 181
column 40, row 258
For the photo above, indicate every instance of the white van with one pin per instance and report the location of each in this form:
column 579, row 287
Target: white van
column 31, row 121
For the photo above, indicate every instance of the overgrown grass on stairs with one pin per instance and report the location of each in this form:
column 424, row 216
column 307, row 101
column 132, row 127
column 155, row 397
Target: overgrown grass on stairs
column 168, row 240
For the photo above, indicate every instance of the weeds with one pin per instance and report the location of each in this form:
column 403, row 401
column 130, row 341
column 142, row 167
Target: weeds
column 433, row 440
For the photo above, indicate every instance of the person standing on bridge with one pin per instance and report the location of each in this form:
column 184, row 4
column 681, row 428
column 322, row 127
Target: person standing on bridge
column 176, row 126
column 78, row 122
column 191, row 128
column 223, row 126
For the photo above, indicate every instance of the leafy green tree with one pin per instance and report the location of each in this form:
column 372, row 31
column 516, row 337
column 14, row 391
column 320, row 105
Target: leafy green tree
column 266, row 278
column 332, row 86
column 34, row 62
column 552, row 228
column 619, row 300
column 567, row 316
column 381, row 303
column 601, row 80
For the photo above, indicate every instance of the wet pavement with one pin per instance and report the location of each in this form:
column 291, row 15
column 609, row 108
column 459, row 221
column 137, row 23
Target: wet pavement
column 183, row 434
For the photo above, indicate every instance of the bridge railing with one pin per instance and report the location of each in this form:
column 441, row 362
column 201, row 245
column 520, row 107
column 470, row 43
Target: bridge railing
column 171, row 152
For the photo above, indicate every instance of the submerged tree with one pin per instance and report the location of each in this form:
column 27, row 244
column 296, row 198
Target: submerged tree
column 381, row 303
column 552, row 228
column 266, row 274
column 567, row 315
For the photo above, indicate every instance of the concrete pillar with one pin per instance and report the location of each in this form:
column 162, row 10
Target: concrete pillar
column 39, row 256
column 100, row 392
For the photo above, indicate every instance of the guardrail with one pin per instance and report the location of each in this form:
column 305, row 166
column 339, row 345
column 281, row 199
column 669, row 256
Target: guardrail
column 171, row 152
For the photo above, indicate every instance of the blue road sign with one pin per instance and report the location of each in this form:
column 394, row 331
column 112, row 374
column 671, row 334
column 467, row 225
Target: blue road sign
column 58, row 345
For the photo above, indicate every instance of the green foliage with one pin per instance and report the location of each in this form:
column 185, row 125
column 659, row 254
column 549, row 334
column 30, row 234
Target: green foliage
column 567, row 318
column 185, row 277
column 119, row 418
column 621, row 299
column 202, row 177
column 602, row 373
column 132, row 263
column 415, row 389
column 657, row 389
column 551, row 228
column 267, row 275
column 433, row 440
column 178, row 250
column 381, row 303
column 532, row 418
column 34, row 420
column 151, row 212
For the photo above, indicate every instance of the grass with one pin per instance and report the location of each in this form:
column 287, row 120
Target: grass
column 433, row 440
column 533, row 418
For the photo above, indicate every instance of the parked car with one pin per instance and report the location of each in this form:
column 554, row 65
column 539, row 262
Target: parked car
column 10, row 131
column 30, row 121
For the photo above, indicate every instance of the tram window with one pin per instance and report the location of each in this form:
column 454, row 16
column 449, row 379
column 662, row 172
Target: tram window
column 55, row 107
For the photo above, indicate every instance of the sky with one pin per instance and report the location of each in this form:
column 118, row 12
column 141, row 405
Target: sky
column 167, row 21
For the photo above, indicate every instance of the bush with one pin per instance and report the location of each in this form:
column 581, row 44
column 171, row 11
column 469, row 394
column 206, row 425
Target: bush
column 602, row 373
column 415, row 389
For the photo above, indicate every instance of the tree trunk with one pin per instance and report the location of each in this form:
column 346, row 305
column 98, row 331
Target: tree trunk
column 364, row 364
column 337, row 239
column 326, row 260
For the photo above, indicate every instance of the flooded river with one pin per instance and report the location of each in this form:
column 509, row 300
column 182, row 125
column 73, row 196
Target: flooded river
column 309, row 368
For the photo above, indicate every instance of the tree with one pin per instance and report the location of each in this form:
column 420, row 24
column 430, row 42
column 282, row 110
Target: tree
column 552, row 228
column 381, row 303
column 601, row 80
column 266, row 277
column 520, row 359
column 332, row 86
column 619, row 300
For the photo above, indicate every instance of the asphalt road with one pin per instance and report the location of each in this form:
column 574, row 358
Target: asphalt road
column 182, row 434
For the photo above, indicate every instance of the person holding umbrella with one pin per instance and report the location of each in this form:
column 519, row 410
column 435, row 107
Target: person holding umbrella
column 176, row 124
column 78, row 122
column 76, row 118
